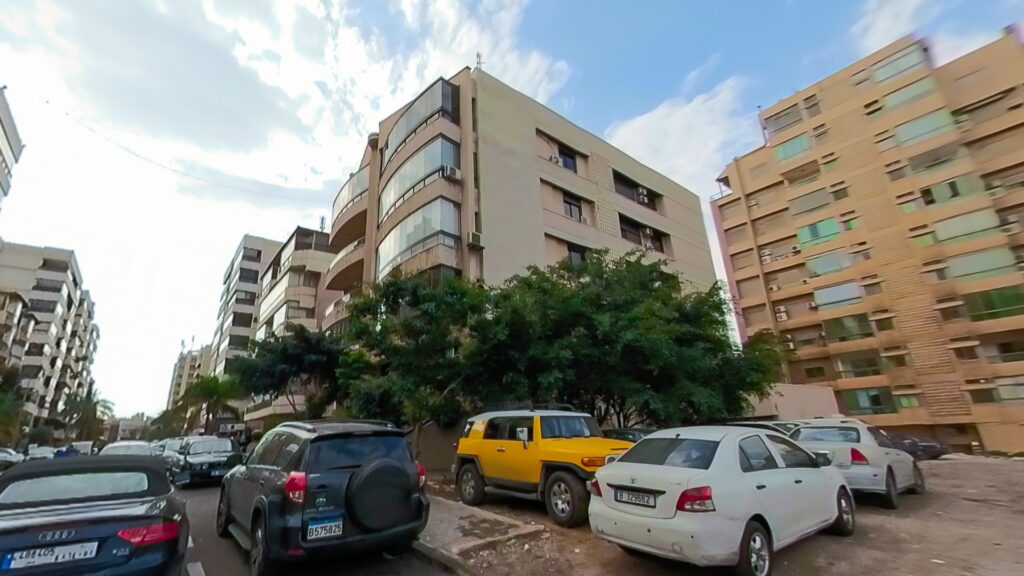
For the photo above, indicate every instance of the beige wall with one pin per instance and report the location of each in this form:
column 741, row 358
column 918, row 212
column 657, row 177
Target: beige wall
column 794, row 402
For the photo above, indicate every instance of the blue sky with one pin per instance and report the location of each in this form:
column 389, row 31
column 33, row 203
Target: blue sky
column 160, row 131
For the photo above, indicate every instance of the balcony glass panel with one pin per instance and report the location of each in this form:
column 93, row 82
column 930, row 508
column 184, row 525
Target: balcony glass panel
column 909, row 93
column 967, row 226
column 829, row 262
column 922, row 127
column 906, row 60
column 868, row 401
column 353, row 190
column 992, row 304
column 416, row 172
column 793, row 147
column 984, row 264
column 848, row 328
column 821, row 231
column 433, row 224
column 837, row 295
column 441, row 98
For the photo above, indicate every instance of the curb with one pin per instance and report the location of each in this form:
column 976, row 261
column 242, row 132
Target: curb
column 444, row 560
column 523, row 531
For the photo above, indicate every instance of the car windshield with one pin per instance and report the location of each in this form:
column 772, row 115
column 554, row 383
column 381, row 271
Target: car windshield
column 210, row 445
column 569, row 427
column 677, row 452
column 335, row 453
column 843, row 434
column 173, row 445
column 75, row 486
column 127, row 449
column 41, row 451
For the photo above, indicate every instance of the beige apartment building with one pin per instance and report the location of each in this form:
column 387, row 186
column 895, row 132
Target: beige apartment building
column 474, row 178
column 240, row 299
column 878, row 231
column 57, row 358
column 189, row 367
column 16, row 325
column 10, row 145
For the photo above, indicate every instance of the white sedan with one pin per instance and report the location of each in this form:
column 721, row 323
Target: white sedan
column 718, row 496
column 869, row 460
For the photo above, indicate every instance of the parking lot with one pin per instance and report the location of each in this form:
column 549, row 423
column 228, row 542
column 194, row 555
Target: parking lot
column 969, row 522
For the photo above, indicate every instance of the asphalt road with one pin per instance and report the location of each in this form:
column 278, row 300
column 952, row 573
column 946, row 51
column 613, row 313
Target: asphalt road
column 210, row 554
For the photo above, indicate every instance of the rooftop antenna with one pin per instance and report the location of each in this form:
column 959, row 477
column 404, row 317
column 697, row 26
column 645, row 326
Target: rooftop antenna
column 479, row 60
column 323, row 222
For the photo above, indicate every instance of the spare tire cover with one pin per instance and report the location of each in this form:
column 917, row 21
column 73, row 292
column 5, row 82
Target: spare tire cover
column 380, row 495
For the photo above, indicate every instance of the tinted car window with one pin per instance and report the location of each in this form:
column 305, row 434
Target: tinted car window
column 827, row 434
column 354, row 451
column 880, row 437
column 677, row 452
column 754, row 455
column 130, row 449
column 210, row 445
column 493, row 429
column 289, row 447
column 172, row 445
column 569, row 427
column 515, row 423
column 792, row 455
column 74, row 486
column 267, row 451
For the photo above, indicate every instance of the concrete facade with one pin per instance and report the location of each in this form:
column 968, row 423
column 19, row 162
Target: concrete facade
column 473, row 178
column 878, row 231
column 289, row 283
column 10, row 145
column 189, row 367
column 16, row 325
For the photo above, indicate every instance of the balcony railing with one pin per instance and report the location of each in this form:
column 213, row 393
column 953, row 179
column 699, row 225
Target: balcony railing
column 1007, row 357
column 348, row 250
column 859, row 372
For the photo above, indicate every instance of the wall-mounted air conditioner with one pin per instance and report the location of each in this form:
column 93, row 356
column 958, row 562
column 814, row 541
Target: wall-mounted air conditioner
column 781, row 317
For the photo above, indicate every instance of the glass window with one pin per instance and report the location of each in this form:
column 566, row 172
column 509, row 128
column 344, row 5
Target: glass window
column 821, row 231
column 847, row 328
column 909, row 401
column 285, row 456
column 966, row 353
column 211, row 446
column 905, row 60
column 923, row 127
column 513, row 424
column 125, row 449
column 354, row 189
column 984, row 396
column 837, row 295
column 983, row 264
column 85, row 485
column 869, row 401
column 630, row 230
column 248, row 276
column 441, row 97
column 792, row 147
column 880, row 437
column 810, row 202
column 1012, row 392
column 676, row 452
column 755, row 456
column 352, row 452
column 998, row 303
column 967, row 226
column 793, row 456
column 567, row 156
column 415, row 172
column 781, row 120
column 572, row 207
column 814, row 372
column 569, row 427
column 909, row 93
column 251, row 254
column 577, row 254
column 951, row 189
column 433, row 224
column 494, row 430
column 842, row 434
column 241, row 319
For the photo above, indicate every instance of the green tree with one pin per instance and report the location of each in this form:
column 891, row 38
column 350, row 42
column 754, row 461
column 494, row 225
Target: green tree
column 85, row 415
column 212, row 395
column 167, row 424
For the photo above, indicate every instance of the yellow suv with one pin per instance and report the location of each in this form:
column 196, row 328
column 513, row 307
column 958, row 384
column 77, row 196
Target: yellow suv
column 534, row 454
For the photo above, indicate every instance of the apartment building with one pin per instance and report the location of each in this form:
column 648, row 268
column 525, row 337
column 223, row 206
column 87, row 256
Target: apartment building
column 10, row 145
column 239, row 299
column 288, row 285
column 878, row 231
column 474, row 178
column 189, row 367
column 58, row 355
column 16, row 325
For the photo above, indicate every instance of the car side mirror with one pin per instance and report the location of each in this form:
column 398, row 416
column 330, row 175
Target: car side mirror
column 523, row 435
column 610, row 458
column 822, row 459
column 234, row 460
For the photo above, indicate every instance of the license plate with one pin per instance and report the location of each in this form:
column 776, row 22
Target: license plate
column 638, row 498
column 50, row 555
column 323, row 529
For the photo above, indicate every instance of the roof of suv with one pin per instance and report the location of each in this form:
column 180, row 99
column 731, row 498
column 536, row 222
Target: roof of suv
column 520, row 413
column 317, row 427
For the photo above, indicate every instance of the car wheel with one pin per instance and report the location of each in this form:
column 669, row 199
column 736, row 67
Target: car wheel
column 890, row 499
column 919, row 486
column 471, row 485
column 845, row 522
column 566, row 499
column 755, row 551
column 223, row 518
column 260, row 563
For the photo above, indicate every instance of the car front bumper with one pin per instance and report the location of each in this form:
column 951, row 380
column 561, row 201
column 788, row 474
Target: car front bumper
column 703, row 539
column 862, row 478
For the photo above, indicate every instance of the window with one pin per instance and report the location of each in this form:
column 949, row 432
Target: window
column 211, row 446
column 935, row 158
column 847, row 328
column 743, row 260
column 238, row 342
column 567, row 156
column 998, row 303
column 851, row 224
column 829, row 262
column 905, row 60
column 572, row 207
column 821, row 231
column 93, row 485
column 793, row 147
column 814, row 372
column 872, row 289
column 868, row 401
column 251, row 254
column 420, row 169
column 440, row 99
column 924, row 240
column 955, row 188
column 837, row 295
column 890, row 362
column 858, row 367
column 811, row 106
column 983, row 264
column 577, row 254
column 923, row 127
column 909, row 93
column 630, row 230
column 755, row 456
column 675, row 452
column 782, row 120
column 639, row 234
column 513, row 424
column 285, row 459
column 569, row 427
column 966, row 353
column 628, row 188
column 245, row 297
column 840, row 193
column 248, row 276
column 792, row 455
column 347, row 452
column 984, row 396
column 967, row 226
column 880, row 437
column 810, row 202
column 241, row 320
column 1011, row 392
column 355, row 188
column 494, row 428
column 436, row 223
column 820, row 137
column 839, row 434
column 897, row 174
column 884, row 324
column 909, row 401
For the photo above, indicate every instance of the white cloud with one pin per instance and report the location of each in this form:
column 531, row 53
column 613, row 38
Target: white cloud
column 947, row 45
column 885, row 21
column 691, row 140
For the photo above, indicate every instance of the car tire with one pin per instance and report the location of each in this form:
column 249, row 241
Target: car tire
column 891, row 498
column 471, row 485
column 919, row 484
column 756, row 556
column 260, row 562
column 223, row 516
column 566, row 499
column 846, row 520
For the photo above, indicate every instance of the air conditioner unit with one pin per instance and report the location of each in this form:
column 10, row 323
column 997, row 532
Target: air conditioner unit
column 773, row 288
column 812, row 305
column 555, row 159
column 780, row 309
column 794, row 248
column 766, row 252
column 790, row 346
column 473, row 240
column 452, row 173
column 641, row 192
column 766, row 259
column 781, row 317
column 752, row 204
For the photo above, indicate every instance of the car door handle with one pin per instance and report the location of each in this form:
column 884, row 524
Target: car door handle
column 760, row 486
column 501, row 448
column 798, row 481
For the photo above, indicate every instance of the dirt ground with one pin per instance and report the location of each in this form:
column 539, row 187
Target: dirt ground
column 970, row 521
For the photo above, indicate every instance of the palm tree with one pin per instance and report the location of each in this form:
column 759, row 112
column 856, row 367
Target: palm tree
column 85, row 414
column 209, row 394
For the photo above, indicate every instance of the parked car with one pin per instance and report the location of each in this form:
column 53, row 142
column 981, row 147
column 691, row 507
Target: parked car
column 718, row 496
column 128, row 448
column 627, row 434
column 760, row 425
column 315, row 489
column 919, row 447
column 115, row 515
column 40, row 453
column 203, row 459
column 544, row 455
column 9, row 458
column 868, row 458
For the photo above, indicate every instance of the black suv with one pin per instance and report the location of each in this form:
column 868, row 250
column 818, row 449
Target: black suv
column 314, row 489
column 202, row 459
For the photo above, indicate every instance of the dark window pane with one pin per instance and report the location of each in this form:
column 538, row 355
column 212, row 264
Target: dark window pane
column 75, row 486
column 677, row 452
column 754, row 455
column 210, row 446
column 569, row 427
column 352, row 452
column 844, row 434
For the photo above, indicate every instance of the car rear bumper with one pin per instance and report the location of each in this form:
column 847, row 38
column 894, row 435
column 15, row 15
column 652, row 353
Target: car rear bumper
column 703, row 539
column 865, row 478
column 200, row 476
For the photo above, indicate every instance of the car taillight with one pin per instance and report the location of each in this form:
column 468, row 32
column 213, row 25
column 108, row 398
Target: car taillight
column 696, row 500
column 857, row 457
column 151, row 534
column 595, row 487
column 422, row 473
column 295, row 487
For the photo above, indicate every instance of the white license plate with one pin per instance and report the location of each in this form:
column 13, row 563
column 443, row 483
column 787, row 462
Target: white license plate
column 323, row 530
column 50, row 555
column 638, row 498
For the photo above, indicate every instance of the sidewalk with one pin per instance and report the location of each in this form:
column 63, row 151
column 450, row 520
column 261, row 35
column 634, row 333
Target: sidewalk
column 455, row 529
